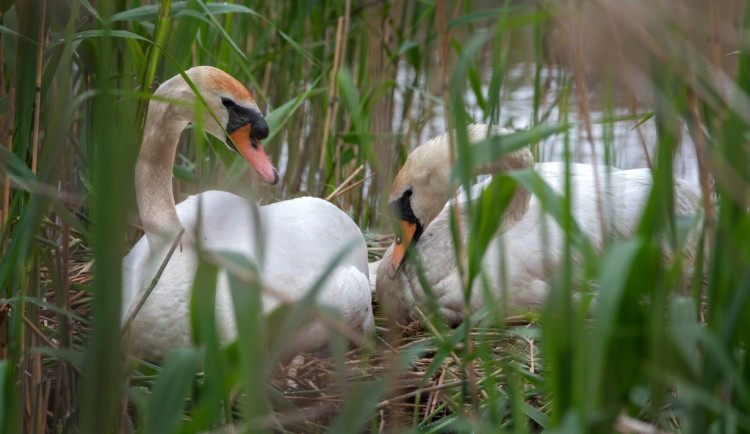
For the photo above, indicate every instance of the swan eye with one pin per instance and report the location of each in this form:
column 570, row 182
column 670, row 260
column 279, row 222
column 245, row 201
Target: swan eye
column 228, row 103
column 398, row 240
column 408, row 193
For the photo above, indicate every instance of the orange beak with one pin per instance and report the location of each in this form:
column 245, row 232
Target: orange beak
column 399, row 247
column 255, row 155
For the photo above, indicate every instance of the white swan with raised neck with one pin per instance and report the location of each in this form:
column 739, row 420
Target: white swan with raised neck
column 299, row 237
column 230, row 113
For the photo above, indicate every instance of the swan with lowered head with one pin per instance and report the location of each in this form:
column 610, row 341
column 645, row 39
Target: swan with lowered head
column 529, row 242
column 299, row 237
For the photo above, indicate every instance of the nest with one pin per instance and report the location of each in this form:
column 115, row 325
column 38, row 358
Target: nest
column 421, row 390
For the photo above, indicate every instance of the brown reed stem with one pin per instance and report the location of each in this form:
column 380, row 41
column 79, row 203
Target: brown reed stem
column 39, row 333
column 433, row 400
column 585, row 113
column 332, row 101
column 342, row 55
column 412, row 394
column 63, row 392
column 339, row 189
column 38, row 91
column 628, row 86
column 351, row 187
column 6, row 179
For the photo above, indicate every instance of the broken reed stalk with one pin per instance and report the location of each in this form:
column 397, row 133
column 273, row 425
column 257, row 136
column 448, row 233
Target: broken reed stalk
column 341, row 187
column 355, row 185
column 414, row 393
column 39, row 333
column 432, row 401
column 153, row 283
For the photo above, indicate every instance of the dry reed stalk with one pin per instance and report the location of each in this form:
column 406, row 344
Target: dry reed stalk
column 341, row 56
column 31, row 362
column 627, row 424
column 381, row 39
column 414, row 393
column 39, row 333
column 714, row 38
column 468, row 368
column 332, row 102
column 298, row 168
column 31, row 373
column 355, row 185
column 39, row 404
column 427, row 114
column 434, row 395
column 4, row 208
column 632, row 103
column 704, row 172
column 411, row 124
column 532, row 369
column 38, row 92
column 6, row 179
column 6, row 137
column 63, row 392
column 701, row 151
column 271, row 43
column 4, row 347
column 338, row 190
column 585, row 114
column 444, row 56
column 45, row 401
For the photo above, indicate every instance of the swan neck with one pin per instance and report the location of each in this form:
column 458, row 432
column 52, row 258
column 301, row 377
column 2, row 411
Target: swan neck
column 519, row 203
column 153, row 173
column 518, row 160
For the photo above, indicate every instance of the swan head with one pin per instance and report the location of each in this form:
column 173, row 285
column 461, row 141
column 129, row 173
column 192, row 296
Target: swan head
column 423, row 186
column 419, row 192
column 232, row 114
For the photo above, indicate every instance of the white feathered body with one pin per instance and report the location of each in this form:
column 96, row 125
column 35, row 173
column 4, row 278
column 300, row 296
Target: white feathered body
column 532, row 250
column 300, row 238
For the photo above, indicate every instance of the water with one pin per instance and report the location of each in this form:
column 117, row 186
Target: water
column 517, row 102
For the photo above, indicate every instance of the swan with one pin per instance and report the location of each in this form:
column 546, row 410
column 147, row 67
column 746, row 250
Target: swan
column 530, row 242
column 299, row 237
